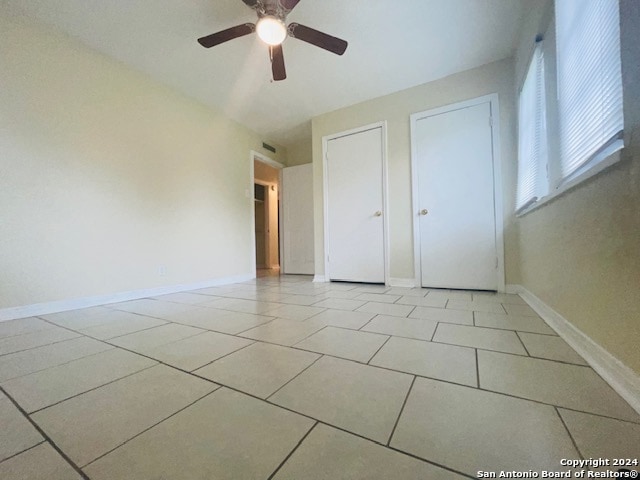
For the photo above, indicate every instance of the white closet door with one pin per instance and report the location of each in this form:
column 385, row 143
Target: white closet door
column 355, row 207
column 456, row 199
column 297, row 219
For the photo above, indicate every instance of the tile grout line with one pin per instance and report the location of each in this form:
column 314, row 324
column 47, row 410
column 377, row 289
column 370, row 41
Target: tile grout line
column 569, row 433
column 492, row 328
column 504, row 329
column 433, row 335
column 23, row 333
column 239, row 334
column 292, row 451
column 350, row 330
column 59, row 364
column 635, row 422
column 388, row 369
column 477, row 369
column 562, row 362
column 137, row 313
column 439, row 465
column 523, row 345
column 406, row 398
column 107, row 340
column 367, row 323
column 266, row 399
column 92, row 389
column 379, row 348
column 223, row 356
column 38, row 346
column 262, row 314
column 209, row 329
column 310, row 335
column 193, row 292
column 154, row 425
column 44, row 435
column 174, row 341
column 23, row 451
column 315, row 314
column 394, row 449
column 104, row 340
column 166, row 322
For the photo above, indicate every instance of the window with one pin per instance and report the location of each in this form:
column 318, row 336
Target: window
column 570, row 109
column 589, row 82
column 532, row 132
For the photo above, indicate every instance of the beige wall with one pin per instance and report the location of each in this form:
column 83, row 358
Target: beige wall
column 106, row 176
column 581, row 252
column 395, row 109
column 300, row 153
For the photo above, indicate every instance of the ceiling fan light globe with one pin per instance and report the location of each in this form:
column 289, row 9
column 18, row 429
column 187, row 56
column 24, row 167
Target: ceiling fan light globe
column 271, row 30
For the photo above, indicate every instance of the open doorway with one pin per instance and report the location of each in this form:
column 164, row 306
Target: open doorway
column 266, row 189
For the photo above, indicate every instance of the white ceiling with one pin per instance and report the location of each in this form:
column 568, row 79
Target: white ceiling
column 393, row 45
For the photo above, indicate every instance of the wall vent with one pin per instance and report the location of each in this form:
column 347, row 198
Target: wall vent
column 266, row 146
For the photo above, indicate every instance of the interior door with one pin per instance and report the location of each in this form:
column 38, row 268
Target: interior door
column 355, row 211
column 456, row 199
column 297, row 221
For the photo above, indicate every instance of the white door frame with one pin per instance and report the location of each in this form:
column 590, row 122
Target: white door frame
column 492, row 99
column 385, row 201
column 253, row 155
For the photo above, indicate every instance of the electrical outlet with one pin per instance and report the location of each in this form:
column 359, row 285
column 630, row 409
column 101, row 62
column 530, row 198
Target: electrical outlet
column 162, row 270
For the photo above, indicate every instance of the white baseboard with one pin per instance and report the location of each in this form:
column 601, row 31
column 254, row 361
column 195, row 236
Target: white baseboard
column 319, row 279
column 13, row 313
column 621, row 378
column 402, row 282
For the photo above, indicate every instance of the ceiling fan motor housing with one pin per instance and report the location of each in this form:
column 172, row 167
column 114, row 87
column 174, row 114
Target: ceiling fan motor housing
column 272, row 29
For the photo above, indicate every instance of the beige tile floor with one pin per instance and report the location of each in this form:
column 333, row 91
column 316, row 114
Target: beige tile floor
column 286, row 379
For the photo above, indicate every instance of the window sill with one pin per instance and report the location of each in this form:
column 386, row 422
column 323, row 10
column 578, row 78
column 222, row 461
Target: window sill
column 612, row 159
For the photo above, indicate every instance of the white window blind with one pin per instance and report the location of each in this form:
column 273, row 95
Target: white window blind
column 589, row 82
column 532, row 134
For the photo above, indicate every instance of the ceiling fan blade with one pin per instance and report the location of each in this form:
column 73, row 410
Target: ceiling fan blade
column 277, row 62
column 250, row 3
column 317, row 38
column 226, row 35
column 289, row 5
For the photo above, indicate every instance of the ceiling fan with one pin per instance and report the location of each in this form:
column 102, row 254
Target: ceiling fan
column 272, row 30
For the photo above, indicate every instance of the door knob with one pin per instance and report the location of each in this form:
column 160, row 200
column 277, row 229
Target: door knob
column 378, row 213
column 424, row 211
